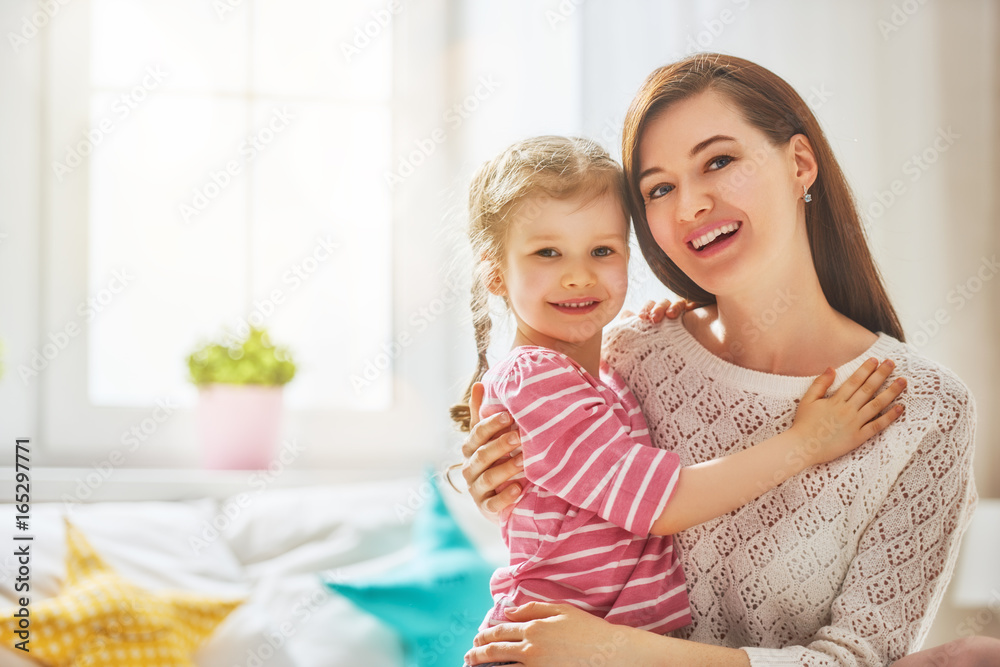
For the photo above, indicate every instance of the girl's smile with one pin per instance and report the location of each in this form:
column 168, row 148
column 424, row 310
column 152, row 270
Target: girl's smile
column 577, row 306
column 565, row 272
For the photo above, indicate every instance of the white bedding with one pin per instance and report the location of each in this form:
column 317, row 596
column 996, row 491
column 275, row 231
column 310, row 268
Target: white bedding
column 269, row 547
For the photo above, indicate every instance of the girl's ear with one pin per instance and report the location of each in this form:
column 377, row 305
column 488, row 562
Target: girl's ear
column 494, row 282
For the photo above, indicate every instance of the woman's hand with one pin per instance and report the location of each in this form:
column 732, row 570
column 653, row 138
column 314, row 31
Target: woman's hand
column 654, row 312
column 555, row 635
column 490, row 459
column 831, row 427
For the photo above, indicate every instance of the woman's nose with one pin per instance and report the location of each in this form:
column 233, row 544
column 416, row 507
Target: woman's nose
column 692, row 203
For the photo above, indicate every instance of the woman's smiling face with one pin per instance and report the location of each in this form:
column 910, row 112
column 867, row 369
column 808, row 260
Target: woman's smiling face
column 721, row 201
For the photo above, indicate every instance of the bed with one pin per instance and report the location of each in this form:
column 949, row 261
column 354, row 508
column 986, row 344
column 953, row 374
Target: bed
column 277, row 551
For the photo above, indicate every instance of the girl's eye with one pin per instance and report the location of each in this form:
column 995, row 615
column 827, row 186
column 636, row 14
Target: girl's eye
column 724, row 159
column 603, row 251
column 547, row 252
column 659, row 191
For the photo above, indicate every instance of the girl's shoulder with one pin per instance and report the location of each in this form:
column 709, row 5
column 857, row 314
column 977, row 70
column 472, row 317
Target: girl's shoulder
column 529, row 364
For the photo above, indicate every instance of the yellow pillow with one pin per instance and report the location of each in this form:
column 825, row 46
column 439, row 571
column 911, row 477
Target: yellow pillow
column 102, row 619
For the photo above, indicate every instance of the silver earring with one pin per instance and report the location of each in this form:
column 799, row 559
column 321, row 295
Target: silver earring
column 805, row 195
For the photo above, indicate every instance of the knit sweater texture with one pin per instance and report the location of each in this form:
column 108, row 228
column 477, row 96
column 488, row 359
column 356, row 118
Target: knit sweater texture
column 843, row 564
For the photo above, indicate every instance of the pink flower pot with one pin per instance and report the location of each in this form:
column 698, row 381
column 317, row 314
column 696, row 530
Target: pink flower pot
column 239, row 425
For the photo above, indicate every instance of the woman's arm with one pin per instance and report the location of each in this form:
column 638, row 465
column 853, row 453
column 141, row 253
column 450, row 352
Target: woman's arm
column 907, row 553
column 560, row 635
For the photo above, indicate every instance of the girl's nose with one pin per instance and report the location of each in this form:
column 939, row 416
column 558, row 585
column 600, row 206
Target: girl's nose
column 579, row 275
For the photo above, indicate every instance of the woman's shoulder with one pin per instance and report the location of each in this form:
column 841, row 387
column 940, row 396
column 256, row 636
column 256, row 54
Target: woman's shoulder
column 934, row 392
column 628, row 336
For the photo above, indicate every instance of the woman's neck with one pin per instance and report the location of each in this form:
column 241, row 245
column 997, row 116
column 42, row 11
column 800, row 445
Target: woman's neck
column 785, row 329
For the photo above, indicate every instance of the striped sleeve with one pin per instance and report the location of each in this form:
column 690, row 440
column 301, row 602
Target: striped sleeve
column 578, row 447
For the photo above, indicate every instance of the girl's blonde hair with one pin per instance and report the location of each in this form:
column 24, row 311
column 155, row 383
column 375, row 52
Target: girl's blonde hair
column 508, row 187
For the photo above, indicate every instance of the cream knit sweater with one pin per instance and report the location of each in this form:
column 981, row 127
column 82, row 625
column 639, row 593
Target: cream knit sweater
column 843, row 564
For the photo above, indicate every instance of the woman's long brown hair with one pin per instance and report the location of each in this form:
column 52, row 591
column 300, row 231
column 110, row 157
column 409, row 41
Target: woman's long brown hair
column 847, row 273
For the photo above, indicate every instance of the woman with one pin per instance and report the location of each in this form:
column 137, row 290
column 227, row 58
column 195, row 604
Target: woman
column 844, row 564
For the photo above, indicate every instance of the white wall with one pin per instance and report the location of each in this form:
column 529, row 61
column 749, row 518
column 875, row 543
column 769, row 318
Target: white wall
column 20, row 136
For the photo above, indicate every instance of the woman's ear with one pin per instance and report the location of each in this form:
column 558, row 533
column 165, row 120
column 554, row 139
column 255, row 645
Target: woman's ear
column 804, row 159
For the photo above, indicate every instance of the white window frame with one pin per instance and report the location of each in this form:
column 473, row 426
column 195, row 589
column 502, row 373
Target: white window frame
column 73, row 432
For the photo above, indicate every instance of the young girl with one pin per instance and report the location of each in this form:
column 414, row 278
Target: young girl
column 550, row 229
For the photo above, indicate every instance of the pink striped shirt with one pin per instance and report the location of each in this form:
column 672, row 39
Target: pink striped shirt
column 593, row 486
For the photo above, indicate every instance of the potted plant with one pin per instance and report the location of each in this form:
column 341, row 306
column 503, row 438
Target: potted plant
column 239, row 404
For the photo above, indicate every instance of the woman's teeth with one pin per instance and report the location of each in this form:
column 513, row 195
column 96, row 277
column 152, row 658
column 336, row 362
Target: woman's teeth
column 703, row 241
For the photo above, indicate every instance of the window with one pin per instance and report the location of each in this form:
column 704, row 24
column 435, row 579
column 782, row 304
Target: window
column 216, row 165
column 240, row 185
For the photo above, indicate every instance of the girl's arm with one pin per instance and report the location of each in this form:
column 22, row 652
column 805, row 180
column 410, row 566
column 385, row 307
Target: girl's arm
column 487, row 464
column 575, row 445
column 824, row 429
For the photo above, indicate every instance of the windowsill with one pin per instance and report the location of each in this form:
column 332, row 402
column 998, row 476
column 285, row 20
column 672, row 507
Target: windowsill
column 138, row 484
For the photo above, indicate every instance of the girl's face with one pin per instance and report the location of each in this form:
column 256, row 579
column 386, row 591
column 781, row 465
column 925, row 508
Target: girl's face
column 565, row 269
column 721, row 201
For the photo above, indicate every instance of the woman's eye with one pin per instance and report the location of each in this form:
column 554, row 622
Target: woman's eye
column 547, row 252
column 659, row 191
column 603, row 251
column 723, row 159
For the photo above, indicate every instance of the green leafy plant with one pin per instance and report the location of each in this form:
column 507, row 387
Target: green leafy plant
column 253, row 360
